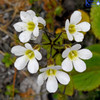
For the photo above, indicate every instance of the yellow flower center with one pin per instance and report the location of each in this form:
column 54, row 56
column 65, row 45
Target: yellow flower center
column 51, row 72
column 72, row 28
column 29, row 54
column 30, row 26
column 73, row 55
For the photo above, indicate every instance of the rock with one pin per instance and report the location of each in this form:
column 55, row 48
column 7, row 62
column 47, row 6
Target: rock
column 31, row 82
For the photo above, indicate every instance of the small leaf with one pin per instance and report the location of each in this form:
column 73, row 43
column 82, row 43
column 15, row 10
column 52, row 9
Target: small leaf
column 8, row 60
column 45, row 39
column 58, row 59
column 9, row 90
column 59, row 41
column 47, row 47
column 53, row 51
column 58, row 10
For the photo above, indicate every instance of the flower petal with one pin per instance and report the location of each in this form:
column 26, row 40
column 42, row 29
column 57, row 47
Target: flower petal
column 20, row 26
column 31, row 13
column 25, row 36
column 21, row 62
column 35, row 20
column 63, row 77
column 52, row 84
column 85, row 54
column 75, row 17
column 57, row 67
column 28, row 46
column 38, row 55
column 18, row 50
column 78, row 36
column 25, row 17
column 76, row 47
column 79, row 65
column 41, row 78
column 36, row 31
column 67, row 24
column 33, row 66
column 84, row 26
column 70, row 36
column 67, row 65
column 65, row 52
column 42, row 21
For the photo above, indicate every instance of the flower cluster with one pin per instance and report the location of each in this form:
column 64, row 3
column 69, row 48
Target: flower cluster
column 29, row 27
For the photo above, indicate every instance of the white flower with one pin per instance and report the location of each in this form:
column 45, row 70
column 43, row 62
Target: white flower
column 27, row 56
column 73, row 29
column 73, row 57
column 29, row 25
column 52, row 74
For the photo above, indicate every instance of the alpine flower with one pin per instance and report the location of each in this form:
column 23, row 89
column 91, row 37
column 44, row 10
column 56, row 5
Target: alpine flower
column 73, row 57
column 29, row 25
column 52, row 74
column 28, row 55
column 74, row 29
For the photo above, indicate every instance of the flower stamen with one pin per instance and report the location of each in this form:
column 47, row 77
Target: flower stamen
column 73, row 55
column 51, row 72
column 29, row 54
column 30, row 26
column 72, row 28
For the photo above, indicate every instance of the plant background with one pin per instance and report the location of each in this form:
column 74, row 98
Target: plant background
column 20, row 85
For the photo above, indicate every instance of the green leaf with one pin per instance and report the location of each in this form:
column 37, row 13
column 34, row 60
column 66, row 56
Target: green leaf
column 95, row 48
column 58, row 59
column 8, row 60
column 95, row 19
column 53, row 51
column 59, row 41
column 58, row 10
column 45, row 39
column 90, row 79
column 87, row 81
column 47, row 47
column 9, row 90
